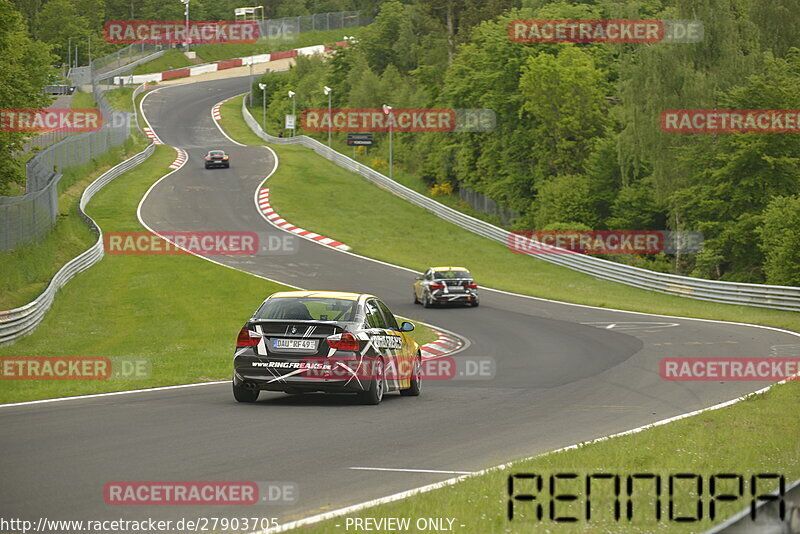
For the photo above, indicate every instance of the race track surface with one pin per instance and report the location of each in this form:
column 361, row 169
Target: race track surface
column 559, row 380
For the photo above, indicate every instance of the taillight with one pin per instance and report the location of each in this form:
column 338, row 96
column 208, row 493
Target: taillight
column 224, row 157
column 437, row 285
column 246, row 339
column 472, row 285
column 208, row 158
column 346, row 341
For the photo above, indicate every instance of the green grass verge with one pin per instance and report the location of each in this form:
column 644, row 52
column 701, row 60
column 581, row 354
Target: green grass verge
column 765, row 427
column 82, row 100
column 301, row 190
column 142, row 306
column 121, row 99
column 26, row 270
column 171, row 59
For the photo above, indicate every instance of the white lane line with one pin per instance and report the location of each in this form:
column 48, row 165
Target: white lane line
column 411, row 470
column 113, row 393
column 612, row 325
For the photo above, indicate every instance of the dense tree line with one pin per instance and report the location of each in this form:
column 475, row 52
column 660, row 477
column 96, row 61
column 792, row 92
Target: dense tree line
column 578, row 142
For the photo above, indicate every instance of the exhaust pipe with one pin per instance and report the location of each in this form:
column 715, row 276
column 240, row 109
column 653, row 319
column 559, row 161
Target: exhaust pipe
column 250, row 385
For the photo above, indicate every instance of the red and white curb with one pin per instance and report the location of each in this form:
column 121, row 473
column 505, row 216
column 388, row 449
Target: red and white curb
column 275, row 219
column 180, row 160
column 215, row 113
column 444, row 345
column 152, row 135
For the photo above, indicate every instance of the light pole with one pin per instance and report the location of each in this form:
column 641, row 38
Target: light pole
column 388, row 111
column 263, row 106
column 186, row 37
column 294, row 115
column 328, row 92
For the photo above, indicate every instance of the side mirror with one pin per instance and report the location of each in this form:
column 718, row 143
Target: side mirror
column 405, row 326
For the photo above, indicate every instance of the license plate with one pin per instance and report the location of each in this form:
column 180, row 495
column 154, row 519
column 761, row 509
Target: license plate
column 456, row 289
column 299, row 344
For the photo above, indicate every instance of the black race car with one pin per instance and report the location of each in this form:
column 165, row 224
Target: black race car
column 446, row 285
column 305, row 341
column 217, row 158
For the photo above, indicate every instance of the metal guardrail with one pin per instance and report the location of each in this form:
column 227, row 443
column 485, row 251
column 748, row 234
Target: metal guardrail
column 23, row 320
column 763, row 296
column 768, row 516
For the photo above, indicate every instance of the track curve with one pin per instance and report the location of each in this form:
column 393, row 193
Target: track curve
column 562, row 375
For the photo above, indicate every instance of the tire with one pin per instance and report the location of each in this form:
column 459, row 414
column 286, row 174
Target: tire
column 374, row 395
column 242, row 394
column 426, row 301
column 416, row 380
column 474, row 304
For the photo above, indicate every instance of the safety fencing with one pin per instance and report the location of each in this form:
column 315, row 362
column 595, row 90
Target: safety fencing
column 28, row 218
column 764, row 296
column 305, row 23
column 20, row 321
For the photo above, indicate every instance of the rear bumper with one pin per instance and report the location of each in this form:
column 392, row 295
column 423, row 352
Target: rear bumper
column 440, row 297
column 258, row 379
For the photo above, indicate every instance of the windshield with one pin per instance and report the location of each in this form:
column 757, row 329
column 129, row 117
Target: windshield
column 439, row 275
column 307, row 309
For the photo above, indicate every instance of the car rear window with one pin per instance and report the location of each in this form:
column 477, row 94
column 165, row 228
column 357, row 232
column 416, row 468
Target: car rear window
column 217, row 153
column 451, row 274
column 307, row 309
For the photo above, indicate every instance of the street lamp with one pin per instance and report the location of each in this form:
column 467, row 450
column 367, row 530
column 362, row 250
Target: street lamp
column 263, row 86
column 186, row 12
column 388, row 111
column 294, row 115
column 328, row 92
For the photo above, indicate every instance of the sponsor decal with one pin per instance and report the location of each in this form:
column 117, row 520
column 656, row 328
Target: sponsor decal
column 397, row 120
column 199, row 493
column 605, row 31
column 387, row 342
column 50, row 120
column 203, row 243
column 730, row 121
column 729, row 369
column 604, row 242
column 570, row 497
column 175, row 31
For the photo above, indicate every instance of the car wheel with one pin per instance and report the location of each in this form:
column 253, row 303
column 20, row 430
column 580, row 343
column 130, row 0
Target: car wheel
column 474, row 304
column 416, row 379
column 426, row 301
column 243, row 394
column 374, row 395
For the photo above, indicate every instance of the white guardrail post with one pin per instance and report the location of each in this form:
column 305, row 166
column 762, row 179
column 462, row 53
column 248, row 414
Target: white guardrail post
column 21, row 321
column 759, row 295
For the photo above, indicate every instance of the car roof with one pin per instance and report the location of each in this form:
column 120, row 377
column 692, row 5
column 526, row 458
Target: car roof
column 342, row 295
column 216, row 150
column 449, row 269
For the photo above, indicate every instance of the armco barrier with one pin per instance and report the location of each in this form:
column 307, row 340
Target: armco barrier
column 764, row 296
column 23, row 320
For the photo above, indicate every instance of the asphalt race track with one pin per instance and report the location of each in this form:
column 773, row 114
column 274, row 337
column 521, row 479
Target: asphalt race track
column 559, row 380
